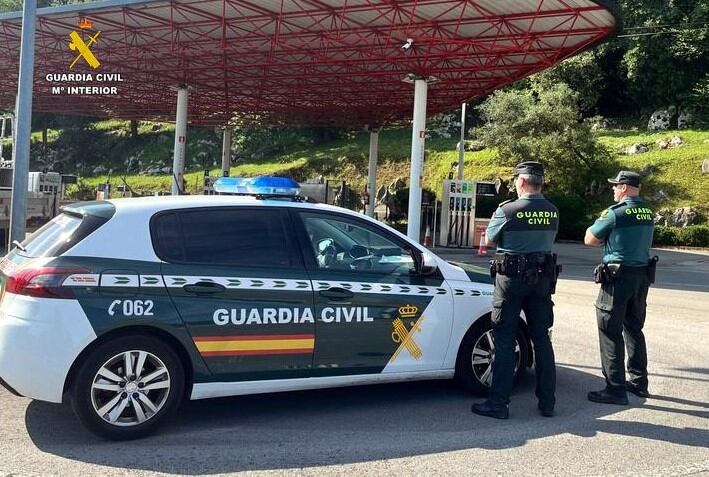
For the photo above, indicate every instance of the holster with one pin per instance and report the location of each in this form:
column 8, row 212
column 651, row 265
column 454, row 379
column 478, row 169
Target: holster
column 507, row 264
column 599, row 273
column 652, row 268
column 606, row 272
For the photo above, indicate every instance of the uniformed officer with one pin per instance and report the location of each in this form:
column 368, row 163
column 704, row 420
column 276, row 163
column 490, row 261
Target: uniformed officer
column 525, row 274
column 625, row 231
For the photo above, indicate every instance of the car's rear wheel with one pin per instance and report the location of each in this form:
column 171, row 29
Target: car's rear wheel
column 477, row 353
column 127, row 387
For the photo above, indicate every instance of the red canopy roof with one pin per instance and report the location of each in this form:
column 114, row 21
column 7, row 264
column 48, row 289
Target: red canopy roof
column 307, row 62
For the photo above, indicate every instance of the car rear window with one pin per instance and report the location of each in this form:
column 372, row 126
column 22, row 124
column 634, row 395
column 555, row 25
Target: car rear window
column 50, row 237
column 58, row 235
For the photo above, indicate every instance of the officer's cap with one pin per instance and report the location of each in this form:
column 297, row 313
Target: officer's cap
column 530, row 167
column 626, row 177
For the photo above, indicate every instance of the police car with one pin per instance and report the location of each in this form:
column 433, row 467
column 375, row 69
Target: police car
column 126, row 307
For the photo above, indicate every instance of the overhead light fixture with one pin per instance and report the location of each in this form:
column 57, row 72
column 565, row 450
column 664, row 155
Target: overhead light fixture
column 413, row 77
column 407, row 46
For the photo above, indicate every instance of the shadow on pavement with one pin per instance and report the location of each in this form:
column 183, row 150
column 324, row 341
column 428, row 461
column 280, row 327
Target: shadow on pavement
column 695, row 370
column 341, row 426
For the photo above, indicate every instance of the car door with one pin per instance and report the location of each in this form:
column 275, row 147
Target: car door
column 239, row 284
column 374, row 312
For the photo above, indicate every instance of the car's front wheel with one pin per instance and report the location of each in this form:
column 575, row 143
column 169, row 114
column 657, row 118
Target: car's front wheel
column 127, row 387
column 477, row 353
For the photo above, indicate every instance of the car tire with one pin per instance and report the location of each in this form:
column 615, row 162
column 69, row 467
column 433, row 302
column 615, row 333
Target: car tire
column 116, row 400
column 476, row 378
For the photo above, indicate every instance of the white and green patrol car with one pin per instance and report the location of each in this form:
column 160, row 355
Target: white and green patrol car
column 126, row 307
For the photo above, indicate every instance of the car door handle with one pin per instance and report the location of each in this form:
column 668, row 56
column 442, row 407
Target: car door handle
column 204, row 288
column 336, row 293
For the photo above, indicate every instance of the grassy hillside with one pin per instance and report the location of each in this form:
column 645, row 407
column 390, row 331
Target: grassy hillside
column 677, row 172
column 343, row 160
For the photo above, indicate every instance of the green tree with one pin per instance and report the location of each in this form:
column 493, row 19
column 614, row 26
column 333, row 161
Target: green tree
column 10, row 6
column 658, row 59
column 668, row 53
column 16, row 5
column 583, row 73
column 545, row 126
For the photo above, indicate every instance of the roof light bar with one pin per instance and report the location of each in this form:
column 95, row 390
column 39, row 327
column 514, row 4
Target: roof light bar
column 258, row 186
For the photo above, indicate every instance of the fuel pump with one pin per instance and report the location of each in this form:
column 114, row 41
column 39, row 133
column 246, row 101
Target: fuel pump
column 458, row 213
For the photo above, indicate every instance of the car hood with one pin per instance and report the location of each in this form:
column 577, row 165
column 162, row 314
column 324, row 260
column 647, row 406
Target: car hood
column 475, row 273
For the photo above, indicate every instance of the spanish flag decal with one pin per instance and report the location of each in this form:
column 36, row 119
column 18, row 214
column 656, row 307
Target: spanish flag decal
column 254, row 345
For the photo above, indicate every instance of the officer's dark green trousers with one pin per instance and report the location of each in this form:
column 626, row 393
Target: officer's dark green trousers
column 511, row 296
column 620, row 310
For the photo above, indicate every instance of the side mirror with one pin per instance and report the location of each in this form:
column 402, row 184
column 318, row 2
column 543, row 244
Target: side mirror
column 429, row 265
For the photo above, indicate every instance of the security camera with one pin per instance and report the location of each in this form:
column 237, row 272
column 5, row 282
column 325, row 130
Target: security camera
column 409, row 43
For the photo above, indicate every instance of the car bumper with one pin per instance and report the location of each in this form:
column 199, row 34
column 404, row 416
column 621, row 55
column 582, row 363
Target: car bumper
column 39, row 340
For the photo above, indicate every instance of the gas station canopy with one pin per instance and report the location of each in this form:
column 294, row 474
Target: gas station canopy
column 297, row 62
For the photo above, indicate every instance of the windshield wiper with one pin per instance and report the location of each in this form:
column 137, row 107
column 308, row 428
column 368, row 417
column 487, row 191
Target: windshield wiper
column 17, row 244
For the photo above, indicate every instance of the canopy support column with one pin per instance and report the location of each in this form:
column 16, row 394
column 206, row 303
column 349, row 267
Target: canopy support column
column 178, row 159
column 418, row 137
column 461, row 149
column 226, row 152
column 23, row 117
column 372, row 173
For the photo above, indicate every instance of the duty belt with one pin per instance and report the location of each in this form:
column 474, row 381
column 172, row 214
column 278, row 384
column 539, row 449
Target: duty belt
column 610, row 272
column 514, row 265
column 531, row 267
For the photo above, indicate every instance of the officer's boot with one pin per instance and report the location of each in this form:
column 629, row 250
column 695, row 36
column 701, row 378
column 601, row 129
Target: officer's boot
column 638, row 390
column 488, row 409
column 606, row 396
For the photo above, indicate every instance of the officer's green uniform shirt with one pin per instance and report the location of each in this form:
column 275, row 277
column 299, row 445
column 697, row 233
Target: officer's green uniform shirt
column 627, row 229
column 526, row 225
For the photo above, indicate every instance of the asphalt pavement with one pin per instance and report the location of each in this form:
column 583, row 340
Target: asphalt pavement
column 426, row 428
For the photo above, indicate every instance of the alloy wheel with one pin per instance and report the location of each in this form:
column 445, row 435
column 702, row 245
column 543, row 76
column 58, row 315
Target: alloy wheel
column 484, row 355
column 130, row 388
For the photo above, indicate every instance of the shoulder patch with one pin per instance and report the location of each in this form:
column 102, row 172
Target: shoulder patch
column 605, row 212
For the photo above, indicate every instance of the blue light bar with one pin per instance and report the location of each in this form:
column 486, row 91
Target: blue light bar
column 262, row 185
column 230, row 185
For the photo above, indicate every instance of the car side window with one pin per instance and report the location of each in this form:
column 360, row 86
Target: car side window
column 223, row 236
column 339, row 243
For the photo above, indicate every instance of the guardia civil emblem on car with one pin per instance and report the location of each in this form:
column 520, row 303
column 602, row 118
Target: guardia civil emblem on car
column 252, row 291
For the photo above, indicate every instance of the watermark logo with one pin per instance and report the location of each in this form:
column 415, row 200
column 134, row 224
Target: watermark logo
column 83, row 48
column 84, row 83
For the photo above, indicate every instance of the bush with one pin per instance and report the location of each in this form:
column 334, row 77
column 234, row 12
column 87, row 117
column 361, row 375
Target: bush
column 572, row 215
column 664, row 235
column 82, row 190
column 692, row 236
